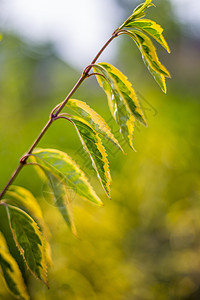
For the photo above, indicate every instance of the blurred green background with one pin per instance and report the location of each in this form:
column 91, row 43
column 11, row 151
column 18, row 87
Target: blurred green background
column 145, row 243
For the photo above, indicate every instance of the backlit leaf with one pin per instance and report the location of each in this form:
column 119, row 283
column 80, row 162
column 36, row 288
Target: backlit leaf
column 67, row 171
column 159, row 77
column 152, row 28
column 29, row 241
column 94, row 119
column 122, row 99
column 11, row 272
column 94, row 147
column 25, row 199
column 138, row 12
column 121, row 86
column 148, row 51
column 61, row 194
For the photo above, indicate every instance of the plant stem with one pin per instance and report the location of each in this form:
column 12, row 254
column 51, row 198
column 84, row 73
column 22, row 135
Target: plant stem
column 54, row 114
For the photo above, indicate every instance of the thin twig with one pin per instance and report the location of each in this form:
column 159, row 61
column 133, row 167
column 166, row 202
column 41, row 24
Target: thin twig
column 54, row 114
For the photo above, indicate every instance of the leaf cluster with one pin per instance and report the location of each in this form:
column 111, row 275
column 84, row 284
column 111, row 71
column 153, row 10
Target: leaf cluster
column 62, row 173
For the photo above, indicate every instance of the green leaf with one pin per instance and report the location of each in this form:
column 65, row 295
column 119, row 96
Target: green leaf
column 148, row 51
column 94, row 119
column 29, row 241
column 61, row 166
column 123, row 88
column 159, row 78
column 122, row 99
column 152, row 28
column 94, row 147
column 139, row 10
column 61, row 194
column 24, row 198
column 138, row 13
column 11, row 272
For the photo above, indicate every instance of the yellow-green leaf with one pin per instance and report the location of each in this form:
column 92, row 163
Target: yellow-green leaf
column 148, row 51
column 94, row 147
column 94, row 119
column 139, row 10
column 159, row 78
column 152, row 28
column 138, row 13
column 25, row 199
column 11, row 272
column 67, row 171
column 122, row 99
column 123, row 88
column 29, row 241
column 61, row 193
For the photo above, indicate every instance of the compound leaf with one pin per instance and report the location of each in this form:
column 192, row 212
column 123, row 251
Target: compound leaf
column 94, row 119
column 29, row 241
column 152, row 28
column 94, row 147
column 11, row 272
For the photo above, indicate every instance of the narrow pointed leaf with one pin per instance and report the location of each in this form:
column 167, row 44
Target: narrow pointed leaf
column 94, row 119
column 152, row 28
column 67, row 171
column 148, row 51
column 139, row 10
column 29, row 241
column 159, row 78
column 122, row 99
column 25, row 199
column 94, row 147
column 61, row 194
column 11, row 272
column 123, row 88
column 120, row 112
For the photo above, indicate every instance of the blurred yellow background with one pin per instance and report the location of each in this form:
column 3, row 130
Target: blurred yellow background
column 144, row 244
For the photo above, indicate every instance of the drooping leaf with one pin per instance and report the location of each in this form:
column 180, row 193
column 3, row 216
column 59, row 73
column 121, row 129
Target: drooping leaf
column 94, row 119
column 61, row 193
column 152, row 28
column 94, row 147
column 122, row 99
column 148, row 51
column 67, row 171
column 147, row 58
column 11, row 272
column 25, row 199
column 29, row 241
column 123, row 88
column 159, row 78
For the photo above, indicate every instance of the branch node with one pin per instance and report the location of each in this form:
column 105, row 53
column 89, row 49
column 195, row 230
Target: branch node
column 23, row 159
